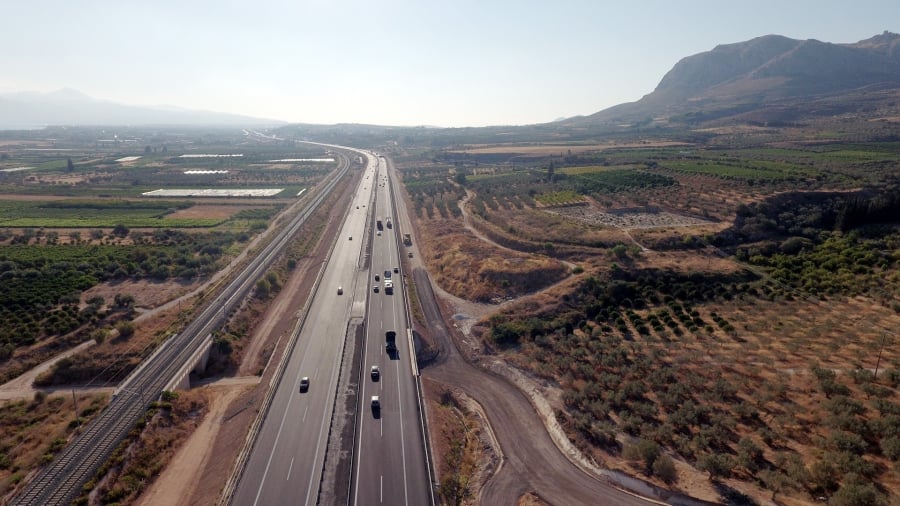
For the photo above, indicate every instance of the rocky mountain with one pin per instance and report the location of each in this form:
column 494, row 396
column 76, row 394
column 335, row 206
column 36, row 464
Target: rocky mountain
column 71, row 107
column 766, row 76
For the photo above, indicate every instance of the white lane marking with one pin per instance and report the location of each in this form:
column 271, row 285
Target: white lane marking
column 274, row 447
column 305, row 411
column 325, row 415
column 290, row 467
column 381, row 488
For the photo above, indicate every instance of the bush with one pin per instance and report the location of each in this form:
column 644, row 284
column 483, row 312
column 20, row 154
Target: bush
column 664, row 469
column 126, row 329
column 718, row 465
column 857, row 491
column 890, row 447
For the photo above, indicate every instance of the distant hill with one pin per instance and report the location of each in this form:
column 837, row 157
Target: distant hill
column 769, row 78
column 73, row 108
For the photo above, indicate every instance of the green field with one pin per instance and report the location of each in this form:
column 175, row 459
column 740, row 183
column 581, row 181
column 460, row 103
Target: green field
column 97, row 214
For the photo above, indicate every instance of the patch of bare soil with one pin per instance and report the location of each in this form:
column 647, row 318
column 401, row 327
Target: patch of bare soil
column 209, row 211
column 531, row 499
column 473, row 269
column 466, row 453
column 557, row 149
column 179, row 479
column 627, row 218
column 147, row 294
column 145, row 454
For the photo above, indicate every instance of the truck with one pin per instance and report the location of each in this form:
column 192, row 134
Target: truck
column 378, row 224
column 407, row 240
column 390, row 341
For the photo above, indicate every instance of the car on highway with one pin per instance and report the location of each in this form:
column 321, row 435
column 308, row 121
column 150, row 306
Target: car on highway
column 378, row 233
column 350, row 238
column 376, row 404
column 304, row 383
column 377, row 277
column 340, row 290
column 396, row 269
column 375, row 288
column 387, row 274
column 376, row 373
column 409, row 254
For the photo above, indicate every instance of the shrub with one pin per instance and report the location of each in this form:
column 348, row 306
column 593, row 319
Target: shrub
column 890, row 447
column 718, row 465
column 857, row 491
column 664, row 469
column 126, row 329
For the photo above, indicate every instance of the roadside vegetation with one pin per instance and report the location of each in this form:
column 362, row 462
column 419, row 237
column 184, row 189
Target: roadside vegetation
column 146, row 450
column 35, row 430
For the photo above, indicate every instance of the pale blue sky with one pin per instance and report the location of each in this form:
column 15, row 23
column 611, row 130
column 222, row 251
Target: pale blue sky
column 393, row 62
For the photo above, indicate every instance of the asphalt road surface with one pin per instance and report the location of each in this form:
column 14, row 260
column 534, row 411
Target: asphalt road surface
column 389, row 462
column 285, row 465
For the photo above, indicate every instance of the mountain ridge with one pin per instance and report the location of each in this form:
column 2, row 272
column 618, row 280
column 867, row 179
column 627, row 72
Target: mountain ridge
column 763, row 72
column 67, row 106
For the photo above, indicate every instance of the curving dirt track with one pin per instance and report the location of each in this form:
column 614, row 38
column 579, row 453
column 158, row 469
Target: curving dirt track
column 532, row 462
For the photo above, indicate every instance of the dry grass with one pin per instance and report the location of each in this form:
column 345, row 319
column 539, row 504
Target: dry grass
column 33, row 431
column 472, row 269
column 142, row 456
column 456, row 439
column 540, row 150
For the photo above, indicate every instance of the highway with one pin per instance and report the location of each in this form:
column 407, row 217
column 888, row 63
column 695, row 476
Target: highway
column 389, row 461
column 285, row 465
column 61, row 481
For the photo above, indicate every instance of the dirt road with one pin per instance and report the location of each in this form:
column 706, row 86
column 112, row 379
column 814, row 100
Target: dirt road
column 532, row 462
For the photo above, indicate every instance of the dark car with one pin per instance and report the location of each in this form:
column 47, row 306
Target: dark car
column 304, row 384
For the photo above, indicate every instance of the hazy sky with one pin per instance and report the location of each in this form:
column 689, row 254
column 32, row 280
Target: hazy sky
column 393, row 62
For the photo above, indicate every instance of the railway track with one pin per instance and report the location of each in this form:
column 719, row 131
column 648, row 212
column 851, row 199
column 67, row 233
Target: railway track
column 63, row 479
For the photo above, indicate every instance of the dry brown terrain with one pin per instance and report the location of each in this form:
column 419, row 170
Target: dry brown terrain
column 541, row 150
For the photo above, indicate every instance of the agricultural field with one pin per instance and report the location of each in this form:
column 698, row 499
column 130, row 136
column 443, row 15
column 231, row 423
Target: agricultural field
column 75, row 220
column 726, row 312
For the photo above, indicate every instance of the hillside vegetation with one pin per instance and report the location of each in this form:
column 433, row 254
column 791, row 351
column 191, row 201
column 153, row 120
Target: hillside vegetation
column 729, row 307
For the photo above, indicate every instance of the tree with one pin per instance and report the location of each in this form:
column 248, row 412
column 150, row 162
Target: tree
column 718, row 465
column 69, row 165
column 263, row 289
column 857, row 491
column 664, row 469
column 120, row 230
column 126, row 329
